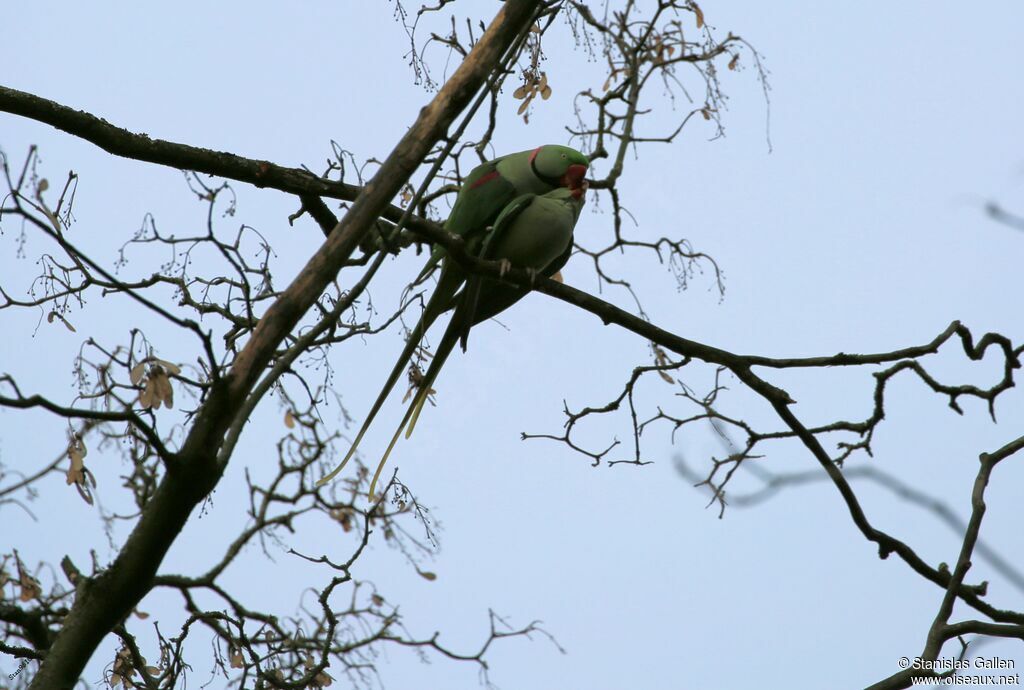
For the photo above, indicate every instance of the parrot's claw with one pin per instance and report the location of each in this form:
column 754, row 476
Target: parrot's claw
column 504, row 267
column 533, row 273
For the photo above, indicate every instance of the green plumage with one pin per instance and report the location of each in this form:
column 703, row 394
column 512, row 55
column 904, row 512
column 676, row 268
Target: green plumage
column 533, row 232
column 486, row 215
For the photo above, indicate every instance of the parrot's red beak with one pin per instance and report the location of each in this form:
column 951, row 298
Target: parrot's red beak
column 573, row 177
column 578, row 192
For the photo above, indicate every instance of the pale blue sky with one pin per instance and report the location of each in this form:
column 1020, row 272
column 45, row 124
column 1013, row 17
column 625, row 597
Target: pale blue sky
column 863, row 230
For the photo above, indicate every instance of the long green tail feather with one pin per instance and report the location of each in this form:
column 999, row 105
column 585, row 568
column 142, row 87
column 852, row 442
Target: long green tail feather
column 412, row 413
column 470, row 300
column 416, row 412
column 444, row 348
column 438, row 303
column 396, row 372
column 384, row 459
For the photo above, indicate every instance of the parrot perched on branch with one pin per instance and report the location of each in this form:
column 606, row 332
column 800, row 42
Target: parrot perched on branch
column 520, row 209
column 533, row 232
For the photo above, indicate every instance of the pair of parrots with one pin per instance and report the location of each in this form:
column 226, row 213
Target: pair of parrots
column 519, row 209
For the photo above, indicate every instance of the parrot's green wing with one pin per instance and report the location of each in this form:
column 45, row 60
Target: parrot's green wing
column 500, row 296
column 484, row 193
column 536, row 235
column 471, row 292
column 505, row 220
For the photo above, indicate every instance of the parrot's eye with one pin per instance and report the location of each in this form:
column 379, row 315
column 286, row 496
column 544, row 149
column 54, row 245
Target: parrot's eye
column 563, row 156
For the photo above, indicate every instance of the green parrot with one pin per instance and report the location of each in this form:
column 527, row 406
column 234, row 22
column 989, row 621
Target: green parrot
column 533, row 232
column 490, row 189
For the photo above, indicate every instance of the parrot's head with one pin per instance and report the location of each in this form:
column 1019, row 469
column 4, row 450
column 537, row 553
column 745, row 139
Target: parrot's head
column 572, row 198
column 560, row 165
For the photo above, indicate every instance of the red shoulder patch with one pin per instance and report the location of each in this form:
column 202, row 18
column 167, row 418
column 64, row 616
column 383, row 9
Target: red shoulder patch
column 485, row 179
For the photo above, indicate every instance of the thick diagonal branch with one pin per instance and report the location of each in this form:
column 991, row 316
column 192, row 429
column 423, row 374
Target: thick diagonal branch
column 102, row 602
